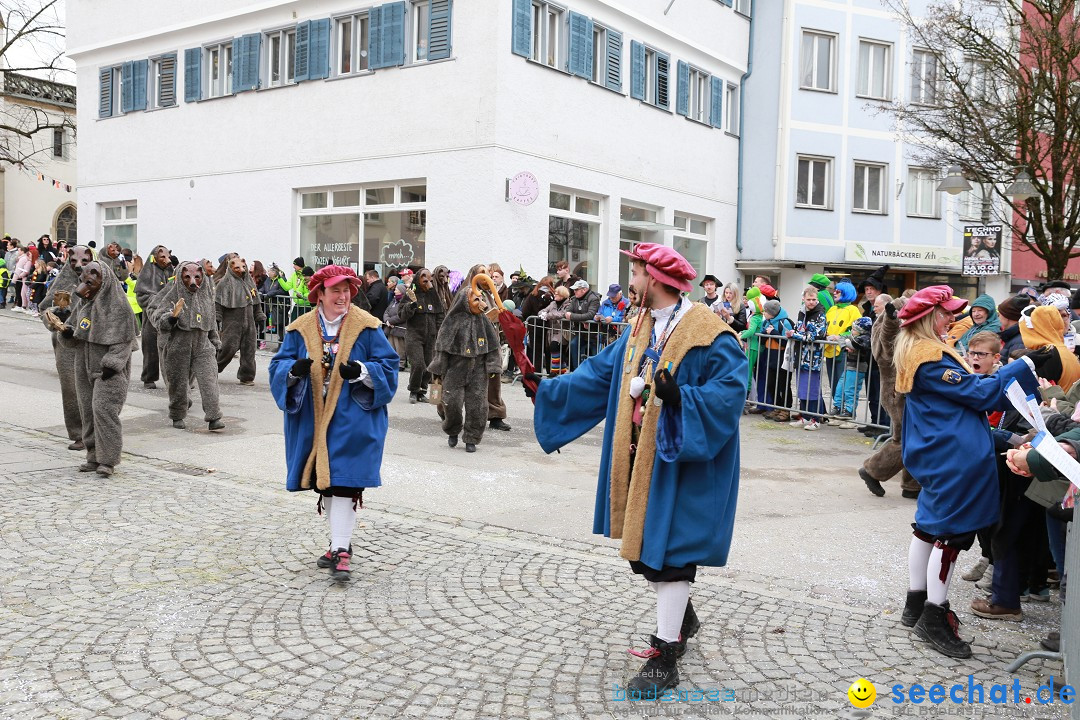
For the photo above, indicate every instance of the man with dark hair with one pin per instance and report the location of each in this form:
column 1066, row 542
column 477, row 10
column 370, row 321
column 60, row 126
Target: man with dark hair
column 565, row 277
column 377, row 294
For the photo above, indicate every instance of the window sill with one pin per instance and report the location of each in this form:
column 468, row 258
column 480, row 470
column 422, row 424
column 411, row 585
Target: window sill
column 162, row 107
column 359, row 73
column 878, row 213
column 216, row 97
column 812, row 207
column 818, row 90
column 422, row 63
column 924, row 217
column 620, row 93
column 925, row 105
column 262, row 88
column 698, row 122
column 743, row 15
column 731, row 134
column 549, row 67
column 666, row 111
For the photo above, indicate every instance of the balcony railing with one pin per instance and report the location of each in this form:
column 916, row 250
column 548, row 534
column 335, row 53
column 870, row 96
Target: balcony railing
column 39, row 90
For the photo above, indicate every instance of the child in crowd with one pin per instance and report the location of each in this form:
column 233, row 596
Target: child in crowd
column 5, row 280
column 771, row 359
column 857, row 349
column 808, row 331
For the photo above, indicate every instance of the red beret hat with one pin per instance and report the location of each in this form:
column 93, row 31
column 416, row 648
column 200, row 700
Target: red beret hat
column 664, row 264
column 328, row 277
column 921, row 303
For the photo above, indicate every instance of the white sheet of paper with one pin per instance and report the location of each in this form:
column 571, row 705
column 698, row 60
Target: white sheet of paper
column 1033, row 405
column 1049, row 449
column 1018, row 398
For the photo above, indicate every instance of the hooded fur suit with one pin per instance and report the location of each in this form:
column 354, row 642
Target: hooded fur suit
column 117, row 266
column 190, row 347
column 239, row 312
column 65, row 354
column 887, row 461
column 422, row 320
column 466, row 353
column 103, row 335
column 151, row 281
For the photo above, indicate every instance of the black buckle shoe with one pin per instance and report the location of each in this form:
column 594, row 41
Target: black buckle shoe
column 939, row 626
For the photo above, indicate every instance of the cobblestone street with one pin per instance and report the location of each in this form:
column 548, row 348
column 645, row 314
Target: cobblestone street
column 180, row 589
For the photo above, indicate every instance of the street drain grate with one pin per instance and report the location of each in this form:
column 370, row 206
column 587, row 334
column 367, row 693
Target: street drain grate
column 186, row 470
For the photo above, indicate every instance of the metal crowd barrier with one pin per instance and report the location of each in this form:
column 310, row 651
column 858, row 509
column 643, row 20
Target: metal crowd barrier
column 23, row 294
column 840, row 391
column 559, row 346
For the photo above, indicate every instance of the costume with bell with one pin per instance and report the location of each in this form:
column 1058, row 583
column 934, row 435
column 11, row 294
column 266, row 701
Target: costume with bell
column 239, row 313
column 101, row 330
column 184, row 317
column 466, row 354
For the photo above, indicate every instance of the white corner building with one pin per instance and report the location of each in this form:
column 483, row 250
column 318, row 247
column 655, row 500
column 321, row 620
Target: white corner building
column 417, row 133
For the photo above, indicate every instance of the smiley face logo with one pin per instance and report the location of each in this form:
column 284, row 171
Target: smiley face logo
column 862, row 693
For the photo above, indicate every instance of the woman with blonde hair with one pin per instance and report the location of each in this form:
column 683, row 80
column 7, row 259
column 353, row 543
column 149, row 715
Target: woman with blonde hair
column 730, row 307
column 946, row 406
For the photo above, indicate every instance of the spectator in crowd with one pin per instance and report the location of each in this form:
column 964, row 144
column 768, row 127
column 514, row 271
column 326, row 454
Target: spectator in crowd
column 840, row 318
column 392, row 281
column 1042, row 327
column 258, row 277
column 554, row 316
column 634, row 304
column 870, row 288
column 709, row 284
column 808, row 333
column 24, row 265
column 565, row 278
column 38, row 278
column 275, row 300
column 394, row 324
column 295, row 285
column 983, row 317
column 857, row 364
column 539, row 299
column 495, row 272
column 407, row 277
column 378, row 294
column 730, row 308
column 584, row 306
column 46, row 251
column 821, row 284
column 612, row 309
column 776, row 325
column 5, row 281
column 756, row 301
column 11, row 259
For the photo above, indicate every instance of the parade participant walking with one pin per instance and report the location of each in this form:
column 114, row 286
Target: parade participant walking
column 945, row 402
column 64, row 355
column 671, row 392
column 239, row 314
column 184, row 317
column 422, row 311
column 333, row 378
column 101, row 330
column 151, row 281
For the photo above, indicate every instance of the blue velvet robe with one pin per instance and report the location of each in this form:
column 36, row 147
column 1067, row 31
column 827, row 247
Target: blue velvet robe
column 948, row 445
column 358, row 427
column 695, row 481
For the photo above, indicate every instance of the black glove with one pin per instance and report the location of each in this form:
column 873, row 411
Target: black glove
column 68, row 333
column 107, row 372
column 666, row 388
column 1047, row 363
column 62, row 313
column 1059, row 513
column 535, row 378
column 350, row 370
column 890, row 311
column 301, row 368
column 173, row 320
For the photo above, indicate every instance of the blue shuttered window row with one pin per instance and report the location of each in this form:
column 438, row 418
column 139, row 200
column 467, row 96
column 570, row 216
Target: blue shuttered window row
column 388, row 26
column 586, row 39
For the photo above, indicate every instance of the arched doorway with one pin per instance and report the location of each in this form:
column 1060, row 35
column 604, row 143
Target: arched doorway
column 66, row 226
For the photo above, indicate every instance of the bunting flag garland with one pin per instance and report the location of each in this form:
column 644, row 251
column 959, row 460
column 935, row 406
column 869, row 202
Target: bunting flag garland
column 52, row 181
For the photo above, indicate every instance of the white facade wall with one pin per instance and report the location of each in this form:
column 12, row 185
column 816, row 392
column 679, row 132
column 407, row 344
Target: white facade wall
column 224, row 174
column 779, row 237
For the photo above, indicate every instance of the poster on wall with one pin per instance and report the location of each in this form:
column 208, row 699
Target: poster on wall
column 982, row 249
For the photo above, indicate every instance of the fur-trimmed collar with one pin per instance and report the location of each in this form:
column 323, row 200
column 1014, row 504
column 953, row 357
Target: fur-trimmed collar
column 923, row 351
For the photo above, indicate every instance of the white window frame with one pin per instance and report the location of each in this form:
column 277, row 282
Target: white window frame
column 223, row 85
column 818, row 36
column 117, row 90
column 548, row 42
column 599, row 62
column 699, row 95
column 921, row 59
column 918, row 177
column 419, row 11
column 285, row 37
column 587, row 218
column 652, row 59
column 743, row 7
column 885, row 71
column 125, row 218
column 359, row 62
column 731, row 107
column 977, row 73
column 865, row 169
column 971, row 203
column 828, row 190
column 153, row 93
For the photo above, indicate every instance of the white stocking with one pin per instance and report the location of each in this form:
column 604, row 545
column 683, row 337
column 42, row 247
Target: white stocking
column 342, row 519
column 918, row 559
column 937, row 592
column 671, row 598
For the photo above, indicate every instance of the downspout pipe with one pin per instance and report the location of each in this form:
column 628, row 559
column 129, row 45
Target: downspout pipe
column 742, row 111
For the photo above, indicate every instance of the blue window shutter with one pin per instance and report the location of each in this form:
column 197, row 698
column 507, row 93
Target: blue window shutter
column 682, row 99
column 303, row 45
column 637, row 70
column 167, row 93
column 613, row 61
column 522, row 34
column 105, row 92
column 127, row 98
column 663, row 81
column 319, row 53
column 193, row 74
column 138, row 84
column 387, row 35
column 716, row 104
column 580, row 58
column 438, row 30
column 246, row 62
column 237, row 64
column 726, row 2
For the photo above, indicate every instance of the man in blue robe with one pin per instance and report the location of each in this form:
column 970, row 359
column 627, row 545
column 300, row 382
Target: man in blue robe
column 671, row 391
column 333, row 378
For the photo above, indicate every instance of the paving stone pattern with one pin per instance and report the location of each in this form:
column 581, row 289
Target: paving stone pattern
column 166, row 593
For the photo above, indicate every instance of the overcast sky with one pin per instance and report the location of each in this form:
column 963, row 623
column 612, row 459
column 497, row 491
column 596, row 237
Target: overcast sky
column 39, row 48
